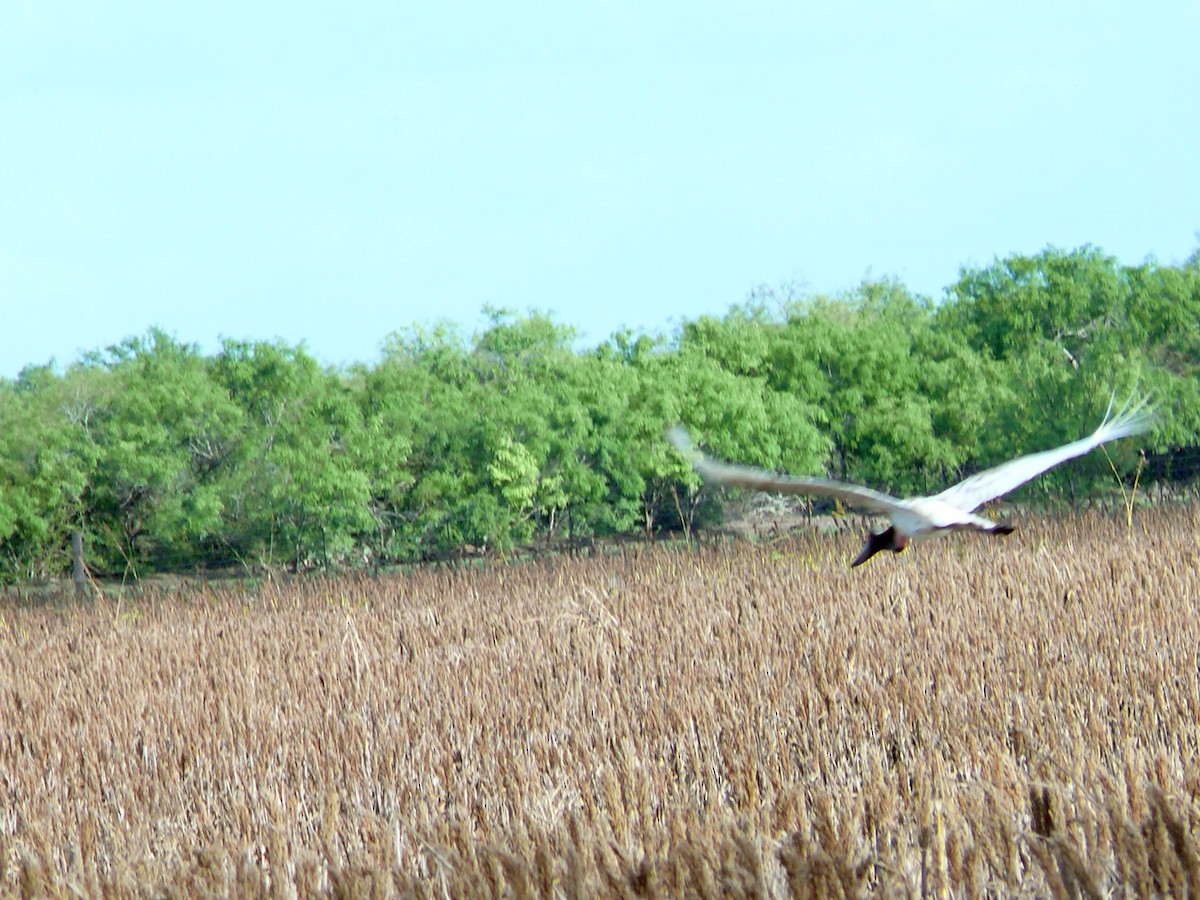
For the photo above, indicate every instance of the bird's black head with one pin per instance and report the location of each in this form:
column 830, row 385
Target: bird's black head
column 885, row 540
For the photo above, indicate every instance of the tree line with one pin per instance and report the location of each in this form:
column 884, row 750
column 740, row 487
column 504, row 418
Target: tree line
column 166, row 458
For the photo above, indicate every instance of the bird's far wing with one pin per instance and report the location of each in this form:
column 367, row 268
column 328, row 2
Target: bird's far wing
column 761, row 480
column 1133, row 418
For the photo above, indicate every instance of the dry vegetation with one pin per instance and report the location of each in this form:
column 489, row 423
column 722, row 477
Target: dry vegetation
column 977, row 717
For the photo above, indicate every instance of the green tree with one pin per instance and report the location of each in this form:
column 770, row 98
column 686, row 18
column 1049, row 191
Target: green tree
column 299, row 493
column 161, row 430
column 45, row 461
column 883, row 380
column 735, row 415
column 1064, row 300
column 1069, row 330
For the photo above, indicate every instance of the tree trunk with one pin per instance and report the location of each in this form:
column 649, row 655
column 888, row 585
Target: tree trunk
column 79, row 573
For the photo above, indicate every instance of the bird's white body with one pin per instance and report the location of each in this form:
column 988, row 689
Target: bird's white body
column 919, row 518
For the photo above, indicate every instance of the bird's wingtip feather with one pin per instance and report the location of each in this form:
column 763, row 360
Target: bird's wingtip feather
column 679, row 438
column 1136, row 416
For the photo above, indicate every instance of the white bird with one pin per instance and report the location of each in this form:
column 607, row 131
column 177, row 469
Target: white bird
column 917, row 518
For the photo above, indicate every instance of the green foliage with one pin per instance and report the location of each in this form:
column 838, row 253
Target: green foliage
column 44, row 465
column 299, row 493
column 1069, row 329
column 257, row 455
column 160, row 430
column 1065, row 300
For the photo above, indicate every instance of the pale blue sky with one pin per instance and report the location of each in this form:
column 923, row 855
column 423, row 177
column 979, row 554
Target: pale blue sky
column 330, row 173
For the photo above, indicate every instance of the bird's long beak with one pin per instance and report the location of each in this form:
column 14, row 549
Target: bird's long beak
column 875, row 543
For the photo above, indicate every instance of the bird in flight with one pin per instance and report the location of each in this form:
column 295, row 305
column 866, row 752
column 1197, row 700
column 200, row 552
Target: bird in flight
column 916, row 518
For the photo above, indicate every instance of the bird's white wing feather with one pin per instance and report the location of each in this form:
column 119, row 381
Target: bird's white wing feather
column 973, row 492
column 761, row 480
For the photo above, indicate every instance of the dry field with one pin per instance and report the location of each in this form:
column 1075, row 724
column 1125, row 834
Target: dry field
column 978, row 717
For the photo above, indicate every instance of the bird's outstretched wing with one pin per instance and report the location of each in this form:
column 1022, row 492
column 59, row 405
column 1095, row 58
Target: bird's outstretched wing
column 761, row 480
column 971, row 493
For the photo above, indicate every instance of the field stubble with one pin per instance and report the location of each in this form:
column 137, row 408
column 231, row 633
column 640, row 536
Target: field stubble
column 975, row 717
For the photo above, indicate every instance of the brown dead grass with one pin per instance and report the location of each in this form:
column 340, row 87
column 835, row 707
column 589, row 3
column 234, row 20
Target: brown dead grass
column 977, row 717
